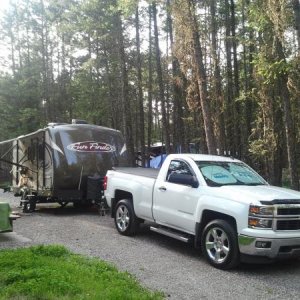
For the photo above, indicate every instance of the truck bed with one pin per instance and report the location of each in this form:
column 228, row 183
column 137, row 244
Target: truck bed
column 144, row 172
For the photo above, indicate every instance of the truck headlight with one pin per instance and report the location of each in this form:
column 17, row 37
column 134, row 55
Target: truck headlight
column 260, row 216
column 256, row 210
column 260, row 223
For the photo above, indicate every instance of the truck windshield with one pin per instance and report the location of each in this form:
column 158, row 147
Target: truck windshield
column 218, row 173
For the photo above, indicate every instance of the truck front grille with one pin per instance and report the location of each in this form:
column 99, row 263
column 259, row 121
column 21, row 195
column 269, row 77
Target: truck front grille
column 287, row 217
column 292, row 211
column 288, row 225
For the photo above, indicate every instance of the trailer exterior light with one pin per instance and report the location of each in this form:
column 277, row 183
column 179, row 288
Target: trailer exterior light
column 105, row 183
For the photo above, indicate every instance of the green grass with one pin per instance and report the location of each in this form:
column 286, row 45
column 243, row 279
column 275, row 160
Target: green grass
column 53, row 272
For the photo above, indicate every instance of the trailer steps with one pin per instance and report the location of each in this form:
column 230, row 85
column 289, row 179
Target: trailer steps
column 172, row 233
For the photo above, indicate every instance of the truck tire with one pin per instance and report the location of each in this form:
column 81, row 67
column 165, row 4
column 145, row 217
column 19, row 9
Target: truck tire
column 125, row 219
column 219, row 244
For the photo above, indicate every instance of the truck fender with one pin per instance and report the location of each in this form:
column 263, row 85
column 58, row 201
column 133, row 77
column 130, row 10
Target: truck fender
column 210, row 208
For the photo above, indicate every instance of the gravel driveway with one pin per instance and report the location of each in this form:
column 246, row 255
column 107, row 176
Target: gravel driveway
column 159, row 262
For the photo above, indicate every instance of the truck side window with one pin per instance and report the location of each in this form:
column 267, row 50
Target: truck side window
column 180, row 167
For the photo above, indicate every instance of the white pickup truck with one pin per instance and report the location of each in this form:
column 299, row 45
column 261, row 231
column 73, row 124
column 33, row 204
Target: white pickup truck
column 218, row 203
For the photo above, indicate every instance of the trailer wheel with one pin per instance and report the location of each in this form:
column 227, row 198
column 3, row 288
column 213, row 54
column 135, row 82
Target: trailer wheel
column 23, row 197
column 219, row 244
column 125, row 219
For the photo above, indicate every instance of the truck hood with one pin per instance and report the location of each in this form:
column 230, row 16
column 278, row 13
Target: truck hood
column 252, row 194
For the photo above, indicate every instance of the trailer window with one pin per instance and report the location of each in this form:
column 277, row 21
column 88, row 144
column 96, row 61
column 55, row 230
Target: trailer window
column 32, row 152
column 41, row 152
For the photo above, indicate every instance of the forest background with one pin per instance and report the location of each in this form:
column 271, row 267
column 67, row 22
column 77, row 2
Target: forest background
column 223, row 76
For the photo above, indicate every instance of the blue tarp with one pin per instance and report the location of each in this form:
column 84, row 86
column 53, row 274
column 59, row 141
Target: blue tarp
column 157, row 161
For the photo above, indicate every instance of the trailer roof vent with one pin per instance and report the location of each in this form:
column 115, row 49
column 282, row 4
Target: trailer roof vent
column 77, row 121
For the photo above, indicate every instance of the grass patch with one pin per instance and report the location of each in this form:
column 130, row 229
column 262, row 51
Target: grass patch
column 53, row 272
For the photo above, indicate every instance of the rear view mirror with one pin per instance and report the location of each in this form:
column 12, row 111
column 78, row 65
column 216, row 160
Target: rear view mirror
column 184, row 179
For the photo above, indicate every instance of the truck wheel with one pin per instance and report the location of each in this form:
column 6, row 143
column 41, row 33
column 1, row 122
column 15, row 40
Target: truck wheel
column 125, row 218
column 219, row 244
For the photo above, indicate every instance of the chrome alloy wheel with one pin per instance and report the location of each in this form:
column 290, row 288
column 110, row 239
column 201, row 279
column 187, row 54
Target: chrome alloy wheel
column 217, row 245
column 122, row 218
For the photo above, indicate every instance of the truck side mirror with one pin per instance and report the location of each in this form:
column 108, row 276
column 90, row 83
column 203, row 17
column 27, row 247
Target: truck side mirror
column 184, row 179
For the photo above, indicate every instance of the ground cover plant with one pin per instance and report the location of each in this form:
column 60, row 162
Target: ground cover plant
column 53, row 272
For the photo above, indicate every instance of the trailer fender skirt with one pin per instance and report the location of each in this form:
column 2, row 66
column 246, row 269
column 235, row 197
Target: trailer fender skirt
column 14, row 216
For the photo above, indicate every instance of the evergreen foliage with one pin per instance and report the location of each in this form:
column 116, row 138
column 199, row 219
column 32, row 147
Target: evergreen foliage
column 221, row 74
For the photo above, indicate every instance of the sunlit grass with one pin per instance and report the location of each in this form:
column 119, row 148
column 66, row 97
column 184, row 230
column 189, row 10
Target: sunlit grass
column 53, row 272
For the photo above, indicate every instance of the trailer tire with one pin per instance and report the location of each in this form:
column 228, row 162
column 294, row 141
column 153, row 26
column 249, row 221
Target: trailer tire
column 219, row 244
column 125, row 219
column 23, row 197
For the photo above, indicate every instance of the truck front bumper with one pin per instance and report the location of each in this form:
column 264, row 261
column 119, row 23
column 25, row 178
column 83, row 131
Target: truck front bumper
column 269, row 248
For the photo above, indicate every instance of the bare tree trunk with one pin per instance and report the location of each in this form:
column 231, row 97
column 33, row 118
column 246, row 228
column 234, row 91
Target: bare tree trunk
column 12, row 51
column 44, row 41
column 111, row 99
column 230, row 107
column 288, row 119
column 141, row 122
column 296, row 8
column 236, row 85
column 165, row 122
column 248, row 80
column 201, row 79
column 217, row 82
column 125, row 91
column 178, row 125
column 150, row 121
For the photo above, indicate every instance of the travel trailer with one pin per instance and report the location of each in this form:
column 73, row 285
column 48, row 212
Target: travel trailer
column 61, row 163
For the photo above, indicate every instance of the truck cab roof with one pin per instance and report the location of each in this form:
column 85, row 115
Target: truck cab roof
column 203, row 157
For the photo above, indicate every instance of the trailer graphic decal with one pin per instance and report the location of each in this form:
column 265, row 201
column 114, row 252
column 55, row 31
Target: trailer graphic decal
column 91, row 146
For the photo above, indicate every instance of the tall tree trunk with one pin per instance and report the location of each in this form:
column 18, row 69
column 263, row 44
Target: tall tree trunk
column 111, row 98
column 230, row 107
column 141, row 123
column 12, row 51
column 288, row 118
column 165, row 121
column 27, row 20
column 236, row 85
column 44, row 41
column 125, row 91
column 296, row 8
column 201, row 80
column 178, row 125
column 248, row 79
column 217, row 81
column 150, row 84
column 282, row 88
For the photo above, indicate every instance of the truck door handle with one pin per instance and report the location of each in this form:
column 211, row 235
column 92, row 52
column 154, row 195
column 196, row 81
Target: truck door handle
column 162, row 188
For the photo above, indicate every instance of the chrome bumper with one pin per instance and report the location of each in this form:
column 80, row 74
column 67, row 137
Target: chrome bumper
column 276, row 248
